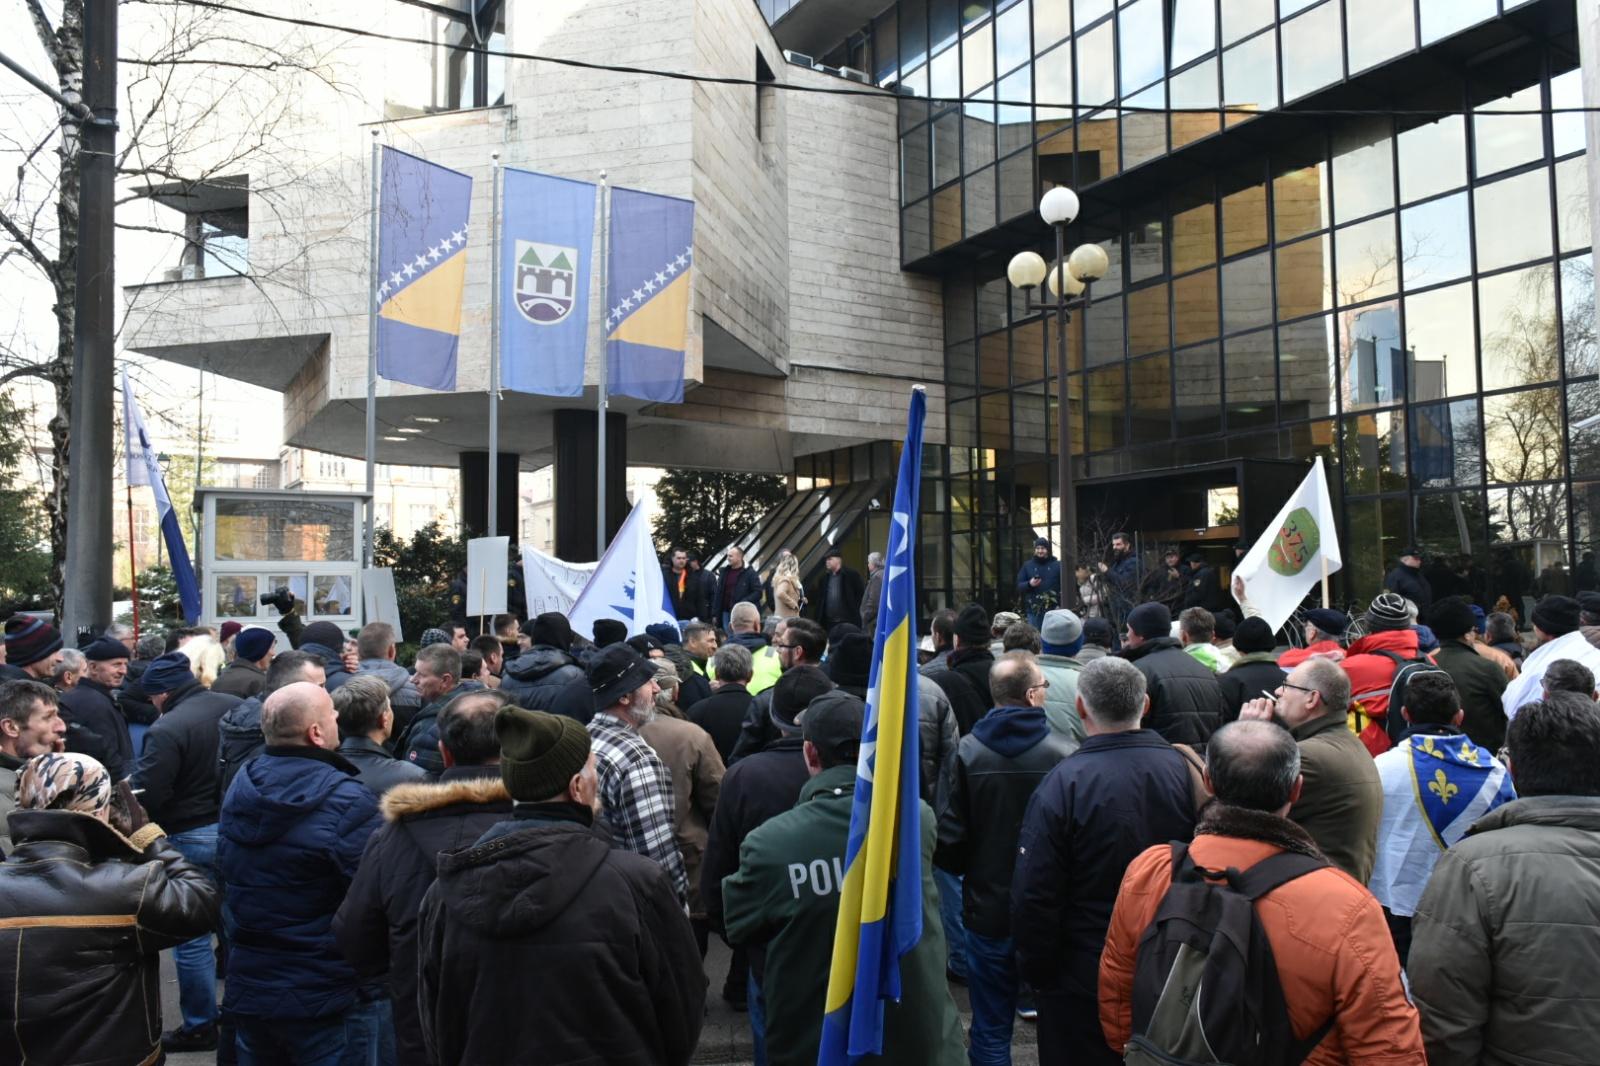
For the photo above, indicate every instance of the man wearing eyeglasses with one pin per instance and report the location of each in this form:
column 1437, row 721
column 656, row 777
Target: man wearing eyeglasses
column 998, row 765
column 1341, row 804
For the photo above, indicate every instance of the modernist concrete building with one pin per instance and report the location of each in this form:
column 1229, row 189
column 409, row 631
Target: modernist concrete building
column 1346, row 228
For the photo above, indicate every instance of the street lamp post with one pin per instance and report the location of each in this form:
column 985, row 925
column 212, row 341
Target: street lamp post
column 1068, row 282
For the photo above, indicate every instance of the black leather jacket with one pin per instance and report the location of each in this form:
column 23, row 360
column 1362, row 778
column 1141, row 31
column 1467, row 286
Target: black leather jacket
column 96, row 909
column 981, row 816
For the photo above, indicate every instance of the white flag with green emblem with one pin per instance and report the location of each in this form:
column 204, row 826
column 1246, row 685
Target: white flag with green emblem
column 1288, row 560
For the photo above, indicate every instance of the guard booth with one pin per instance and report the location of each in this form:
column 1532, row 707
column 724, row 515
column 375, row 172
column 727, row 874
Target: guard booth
column 255, row 541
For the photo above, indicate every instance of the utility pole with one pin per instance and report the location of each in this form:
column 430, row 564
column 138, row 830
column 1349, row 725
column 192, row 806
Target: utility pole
column 87, row 598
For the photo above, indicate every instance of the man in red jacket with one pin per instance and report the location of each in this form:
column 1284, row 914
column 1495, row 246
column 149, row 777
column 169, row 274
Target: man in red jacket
column 1371, row 663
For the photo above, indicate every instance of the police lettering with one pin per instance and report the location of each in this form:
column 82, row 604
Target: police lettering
column 823, row 878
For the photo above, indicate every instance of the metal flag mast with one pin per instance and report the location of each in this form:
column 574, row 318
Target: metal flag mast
column 491, row 527
column 605, row 360
column 372, row 362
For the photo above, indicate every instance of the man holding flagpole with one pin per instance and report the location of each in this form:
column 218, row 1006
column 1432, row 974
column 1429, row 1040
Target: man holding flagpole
column 852, row 863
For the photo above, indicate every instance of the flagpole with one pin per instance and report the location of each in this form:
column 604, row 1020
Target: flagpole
column 605, row 360
column 133, row 566
column 372, row 360
column 494, row 347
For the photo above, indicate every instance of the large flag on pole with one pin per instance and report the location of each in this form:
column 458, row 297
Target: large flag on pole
column 1300, row 548
column 627, row 585
column 647, row 322
column 145, row 469
column 422, row 265
column 880, row 900
column 546, row 248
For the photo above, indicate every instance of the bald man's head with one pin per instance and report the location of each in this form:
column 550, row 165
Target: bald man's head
column 1255, row 765
column 300, row 715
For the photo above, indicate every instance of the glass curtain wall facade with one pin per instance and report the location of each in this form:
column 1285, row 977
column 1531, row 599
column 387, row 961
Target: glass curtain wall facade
column 1409, row 294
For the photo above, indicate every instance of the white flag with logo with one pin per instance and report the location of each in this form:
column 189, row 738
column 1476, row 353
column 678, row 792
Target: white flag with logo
column 627, row 585
column 1287, row 561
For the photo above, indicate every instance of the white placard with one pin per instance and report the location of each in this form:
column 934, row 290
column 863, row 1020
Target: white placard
column 377, row 593
column 487, row 574
column 552, row 584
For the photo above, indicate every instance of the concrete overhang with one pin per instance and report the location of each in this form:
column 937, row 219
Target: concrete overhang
column 815, row 26
column 270, row 362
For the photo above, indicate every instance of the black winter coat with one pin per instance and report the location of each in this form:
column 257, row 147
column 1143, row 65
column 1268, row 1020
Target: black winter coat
column 1245, row 680
column 1410, row 584
column 421, row 744
column 377, row 924
column 1118, row 794
column 91, row 706
column 746, row 589
column 376, row 768
column 722, row 714
column 617, row 977
column 851, row 588
column 758, row 787
column 239, row 740
column 178, row 770
column 576, row 700
column 536, row 677
column 998, row 766
column 968, row 689
column 88, row 912
column 1186, row 702
column 240, row 679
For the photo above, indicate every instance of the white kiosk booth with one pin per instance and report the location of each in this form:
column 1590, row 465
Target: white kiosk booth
column 257, row 540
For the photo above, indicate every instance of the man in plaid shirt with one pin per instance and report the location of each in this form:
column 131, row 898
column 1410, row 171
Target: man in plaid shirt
column 635, row 785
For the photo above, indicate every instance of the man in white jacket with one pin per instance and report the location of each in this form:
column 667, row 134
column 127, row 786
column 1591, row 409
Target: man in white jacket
column 1555, row 628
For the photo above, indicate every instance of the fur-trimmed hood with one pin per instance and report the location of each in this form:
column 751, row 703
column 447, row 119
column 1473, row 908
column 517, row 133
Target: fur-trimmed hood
column 408, row 801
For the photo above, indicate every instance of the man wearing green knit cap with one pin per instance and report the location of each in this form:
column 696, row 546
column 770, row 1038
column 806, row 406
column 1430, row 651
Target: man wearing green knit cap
column 543, row 909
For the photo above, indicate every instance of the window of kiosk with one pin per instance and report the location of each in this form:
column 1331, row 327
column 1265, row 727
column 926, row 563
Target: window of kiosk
column 298, row 584
column 264, row 529
column 331, row 594
column 236, row 595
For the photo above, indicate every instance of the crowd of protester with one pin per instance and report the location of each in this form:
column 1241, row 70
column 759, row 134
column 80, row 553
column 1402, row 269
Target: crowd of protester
column 1374, row 843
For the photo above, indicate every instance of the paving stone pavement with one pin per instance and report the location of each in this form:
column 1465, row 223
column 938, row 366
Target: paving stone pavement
column 724, row 1041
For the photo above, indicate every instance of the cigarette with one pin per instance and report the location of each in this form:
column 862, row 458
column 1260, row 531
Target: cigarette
column 1269, row 696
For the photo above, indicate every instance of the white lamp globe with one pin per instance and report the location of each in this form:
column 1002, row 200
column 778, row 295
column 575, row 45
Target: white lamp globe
column 1059, row 206
column 1026, row 270
column 1089, row 262
column 1073, row 285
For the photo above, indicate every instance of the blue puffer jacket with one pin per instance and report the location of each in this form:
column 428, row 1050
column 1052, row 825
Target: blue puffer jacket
column 291, row 834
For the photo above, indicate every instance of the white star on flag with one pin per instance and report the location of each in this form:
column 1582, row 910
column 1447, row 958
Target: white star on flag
column 408, row 270
column 661, row 279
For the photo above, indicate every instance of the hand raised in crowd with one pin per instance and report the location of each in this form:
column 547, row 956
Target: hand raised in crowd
column 1258, row 710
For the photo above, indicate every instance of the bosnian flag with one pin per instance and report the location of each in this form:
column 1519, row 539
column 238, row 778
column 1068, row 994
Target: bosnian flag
column 144, row 469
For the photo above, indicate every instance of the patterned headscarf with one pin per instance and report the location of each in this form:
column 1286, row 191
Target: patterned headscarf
column 64, row 781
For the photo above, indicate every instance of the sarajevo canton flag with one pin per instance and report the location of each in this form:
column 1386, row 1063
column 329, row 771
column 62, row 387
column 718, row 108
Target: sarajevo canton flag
column 546, row 246
column 880, row 899
column 422, row 263
column 627, row 585
column 145, row 469
column 1283, row 566
column 648, row 279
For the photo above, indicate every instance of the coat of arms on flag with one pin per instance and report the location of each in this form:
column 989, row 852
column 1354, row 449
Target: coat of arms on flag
column 1296, row 543
column 545, row 287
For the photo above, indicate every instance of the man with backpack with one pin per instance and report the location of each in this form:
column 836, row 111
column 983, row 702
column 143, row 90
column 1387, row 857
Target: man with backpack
column 1374, row 663
column 1318, row 981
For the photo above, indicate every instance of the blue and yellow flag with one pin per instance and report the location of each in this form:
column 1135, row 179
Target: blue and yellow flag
column 647, row 287
column 880, row 902
column 422, row 264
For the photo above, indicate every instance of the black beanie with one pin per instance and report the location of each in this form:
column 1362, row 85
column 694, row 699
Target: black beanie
column 850, row 663
column 539, row 752
column 793, row 692
column 1226, row 625
column 1150, row 620
column 552, row 630
column 1451, row 618
column 327, row 634
column 1589, row 608
column 972, row 625
column 608, row 631
column 1253, row 635
column 1556, row 615
column 30, row 639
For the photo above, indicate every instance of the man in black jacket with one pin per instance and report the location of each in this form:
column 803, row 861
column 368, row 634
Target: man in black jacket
column 965, row 678
column 798, row 642
column 95, row 725
column 1123, row 790
column 1408, row 581
column 365, row 721
column 239, row 736
column 763, row 784
column 177, row 774
column 543, row 910
column 998, row 766
column 377, row 924
column 535, row 679
column 736, row 583
column 438, row 678
column 840, row 600
column 252, row 654
column 723, row 712
column 1186, row 702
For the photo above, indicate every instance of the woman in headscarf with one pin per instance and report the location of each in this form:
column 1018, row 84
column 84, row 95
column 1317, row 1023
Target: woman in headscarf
column 97, row 893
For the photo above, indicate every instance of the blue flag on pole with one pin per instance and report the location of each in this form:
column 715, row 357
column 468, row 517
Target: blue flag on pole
column 546, row 248
column 647, row 323
column 145, row 469
column 880, row 900
column 422, row 265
